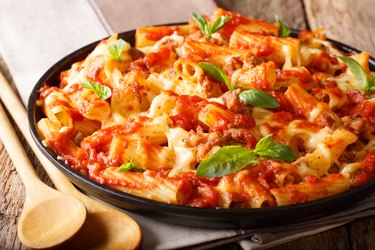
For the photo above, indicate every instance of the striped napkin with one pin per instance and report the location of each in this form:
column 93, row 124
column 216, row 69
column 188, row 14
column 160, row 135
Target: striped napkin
column 36, row 34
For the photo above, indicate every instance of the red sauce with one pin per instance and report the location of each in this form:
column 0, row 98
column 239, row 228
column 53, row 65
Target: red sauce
column 157, row 58
column 305, row 36
column 76, row 116
column 74, row 88
column 312, row 179
column 47, row 90
column 285, row 104
column 121, row 183
column 358, row 105
column 231, row 25
column 296, row 196
column 367, row 170
column 243, row 121
column 188, row 108
column 185, row 120
column 322, row 63
column 302, row 76
column 95, row 68
column 283, row 117
column 267, row 172
column 203, row 192
column 157, row 33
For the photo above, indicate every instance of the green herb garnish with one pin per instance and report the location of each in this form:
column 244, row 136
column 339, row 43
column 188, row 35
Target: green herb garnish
column 230, row 159
column 116, row 49
column 102, row 91
column 359, row 73
column 215, row 72
column 274, row 150
column 225, row 161
column 284, row 30
column 207, row 29
column 130, row 166
column 259, row 98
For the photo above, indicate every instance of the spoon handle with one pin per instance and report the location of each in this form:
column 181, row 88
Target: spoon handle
column 17, row 153
column 18, row 112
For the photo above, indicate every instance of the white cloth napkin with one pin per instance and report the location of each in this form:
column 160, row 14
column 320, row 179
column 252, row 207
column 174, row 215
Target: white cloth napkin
column 36, row 34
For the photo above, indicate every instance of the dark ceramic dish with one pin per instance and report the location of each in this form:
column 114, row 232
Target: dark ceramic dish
column 207, row 217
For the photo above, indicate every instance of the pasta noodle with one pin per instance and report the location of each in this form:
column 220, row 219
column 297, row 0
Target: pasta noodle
column 230, row 116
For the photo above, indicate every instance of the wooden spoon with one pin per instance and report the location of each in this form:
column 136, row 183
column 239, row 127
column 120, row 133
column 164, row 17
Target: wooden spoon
column 105, row 227
column 49, row 218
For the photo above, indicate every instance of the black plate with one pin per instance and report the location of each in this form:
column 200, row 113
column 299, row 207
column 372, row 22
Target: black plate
column 202, row 217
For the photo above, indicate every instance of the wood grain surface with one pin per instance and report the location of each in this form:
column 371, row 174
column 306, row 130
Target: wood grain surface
column 344, row 21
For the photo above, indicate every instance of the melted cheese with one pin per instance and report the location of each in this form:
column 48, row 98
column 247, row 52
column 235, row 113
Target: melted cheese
column 176, row 39
column 288, row 57
column 318, row 161
column 346, row 82
column 350, row 168
column 315, row 113
column 311, row 136
column 185, row 157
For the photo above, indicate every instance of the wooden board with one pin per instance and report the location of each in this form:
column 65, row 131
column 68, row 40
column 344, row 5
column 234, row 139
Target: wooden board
column 350, row 23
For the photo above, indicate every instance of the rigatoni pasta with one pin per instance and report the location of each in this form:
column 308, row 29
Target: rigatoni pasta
column 225, row 111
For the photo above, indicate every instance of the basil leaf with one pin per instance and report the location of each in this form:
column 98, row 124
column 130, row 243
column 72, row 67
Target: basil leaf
column 218, row 23
column 206, row 29
column 371, row 84
column 284, row 30
column 259, row 98
column 226, row 160
column 358, row 72
column 202, row 23
column 215, row 72
column 102, row 91
column 130, row 166
column 274, row 150
column 116, row 49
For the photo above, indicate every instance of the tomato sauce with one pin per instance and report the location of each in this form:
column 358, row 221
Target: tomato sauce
column 188, row 108
column 367, row 170
column 312, row 179
column 157, row 58
column 203, row 192
column 47, row 90
column 232, row 24
column 322, row 63
column 285, row 104
column 157, row 33
column 303, row 77
column 358, row 105
column 295, row 196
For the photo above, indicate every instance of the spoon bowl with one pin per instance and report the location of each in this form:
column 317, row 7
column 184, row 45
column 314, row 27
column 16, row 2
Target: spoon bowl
column 52, row 222
column 104, row 229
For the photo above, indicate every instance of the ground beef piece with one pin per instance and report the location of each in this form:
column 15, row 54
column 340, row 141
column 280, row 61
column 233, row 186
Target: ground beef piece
column 232, row 101
column 354, row 123
column 214, row 139
column 251, row 61
column 242, row 137
column 135, row 54
column 232, row 64
column 211, row 89
column 325, row 120
column 350, row 152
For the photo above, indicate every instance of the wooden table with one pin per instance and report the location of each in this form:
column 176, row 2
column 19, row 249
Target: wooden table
column 351, row 22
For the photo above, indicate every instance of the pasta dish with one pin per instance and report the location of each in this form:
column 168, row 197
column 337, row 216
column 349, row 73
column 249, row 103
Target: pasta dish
column 225, row 111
